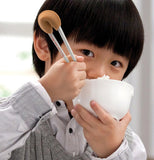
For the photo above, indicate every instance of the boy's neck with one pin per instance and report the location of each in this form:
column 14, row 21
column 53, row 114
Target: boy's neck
column 69, row 105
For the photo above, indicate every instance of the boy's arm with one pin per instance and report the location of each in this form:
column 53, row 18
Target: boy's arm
column 20, row 114
column 131, row 148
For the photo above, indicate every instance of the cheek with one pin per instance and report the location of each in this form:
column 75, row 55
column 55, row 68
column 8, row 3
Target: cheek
column 118, row 76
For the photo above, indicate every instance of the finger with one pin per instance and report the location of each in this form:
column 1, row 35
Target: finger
column 78, row 118
column 62, row 60
column 81, row 66
column 82, row 75
column 81, row 84
column 126, row 120
column 78, row 59
column 87, row 116
column 103, row 115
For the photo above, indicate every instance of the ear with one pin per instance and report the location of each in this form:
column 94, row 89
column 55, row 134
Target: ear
column 41, row 48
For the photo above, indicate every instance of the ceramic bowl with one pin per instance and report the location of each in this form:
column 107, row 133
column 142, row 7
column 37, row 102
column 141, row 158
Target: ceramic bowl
column 113, row 95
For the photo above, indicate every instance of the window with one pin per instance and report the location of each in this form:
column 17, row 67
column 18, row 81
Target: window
column 16, row 22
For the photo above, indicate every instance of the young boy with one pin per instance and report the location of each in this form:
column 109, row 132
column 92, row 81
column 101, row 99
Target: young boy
column 39, row 120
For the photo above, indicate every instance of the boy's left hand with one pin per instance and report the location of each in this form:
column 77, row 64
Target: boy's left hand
column 104, row 134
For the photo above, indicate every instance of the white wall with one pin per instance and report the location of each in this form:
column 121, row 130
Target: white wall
column 142, row 108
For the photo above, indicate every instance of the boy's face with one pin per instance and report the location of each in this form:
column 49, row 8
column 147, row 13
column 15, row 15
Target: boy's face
column 99, row 61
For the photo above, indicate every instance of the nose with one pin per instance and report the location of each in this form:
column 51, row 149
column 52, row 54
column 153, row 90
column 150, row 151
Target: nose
column 96, row 72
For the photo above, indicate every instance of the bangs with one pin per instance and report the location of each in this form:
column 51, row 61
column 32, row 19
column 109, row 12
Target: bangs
column 112, row 25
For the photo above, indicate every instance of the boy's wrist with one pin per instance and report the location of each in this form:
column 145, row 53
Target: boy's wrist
column 42, row 91
column 105, row 153
column 48, row 90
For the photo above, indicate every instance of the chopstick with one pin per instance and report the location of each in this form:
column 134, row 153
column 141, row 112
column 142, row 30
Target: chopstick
column 54, row 40
column 47, row 21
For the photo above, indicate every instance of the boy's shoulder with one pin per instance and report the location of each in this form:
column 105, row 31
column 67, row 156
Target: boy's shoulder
column 2, row 99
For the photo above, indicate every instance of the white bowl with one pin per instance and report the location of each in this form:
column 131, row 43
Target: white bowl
column 113, row 95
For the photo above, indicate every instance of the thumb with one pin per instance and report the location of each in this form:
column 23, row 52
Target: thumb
column 79, row 58
column 126, row 119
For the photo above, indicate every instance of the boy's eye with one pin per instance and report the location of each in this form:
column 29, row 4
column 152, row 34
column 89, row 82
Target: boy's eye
column 87, row 53
column 116, row 63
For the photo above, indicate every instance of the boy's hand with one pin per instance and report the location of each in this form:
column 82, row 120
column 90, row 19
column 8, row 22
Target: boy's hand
column 63, row 81
column 104, row 134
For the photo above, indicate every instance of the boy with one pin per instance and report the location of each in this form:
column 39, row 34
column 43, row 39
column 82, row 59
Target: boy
column 36, row 122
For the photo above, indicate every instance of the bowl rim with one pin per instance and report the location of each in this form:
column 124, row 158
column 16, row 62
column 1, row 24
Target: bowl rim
column 113, row 80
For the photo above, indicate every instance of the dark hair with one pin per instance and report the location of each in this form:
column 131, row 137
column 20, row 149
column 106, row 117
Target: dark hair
column 114, row 24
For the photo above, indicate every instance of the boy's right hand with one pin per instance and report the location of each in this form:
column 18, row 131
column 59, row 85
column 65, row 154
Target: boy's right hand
column 63, row 81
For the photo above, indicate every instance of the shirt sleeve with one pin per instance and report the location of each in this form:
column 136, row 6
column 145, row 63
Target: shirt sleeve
column 20, row 114
column 131, row 148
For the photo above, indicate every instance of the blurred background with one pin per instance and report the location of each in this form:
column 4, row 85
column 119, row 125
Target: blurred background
column 16, row 21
